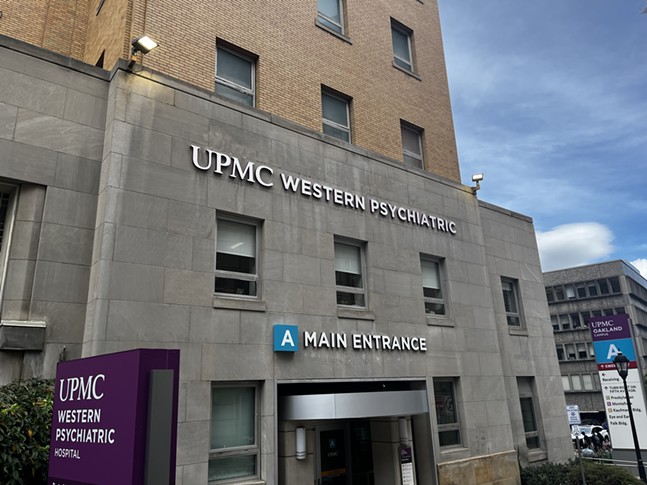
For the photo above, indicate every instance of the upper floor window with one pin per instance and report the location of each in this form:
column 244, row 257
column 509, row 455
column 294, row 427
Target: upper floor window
column 235, row 76
column 335, row 111
column 236, row 257
column 234, row 446
column 583, row 289
column 330, row 13
column 402, row 51
column 511, row 301
column 349, row 270
column 432, row 287
column 411, row 145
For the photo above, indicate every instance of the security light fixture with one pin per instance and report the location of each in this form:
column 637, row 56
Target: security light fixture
column 477, row 178
column 622, row 365
column 143, row 44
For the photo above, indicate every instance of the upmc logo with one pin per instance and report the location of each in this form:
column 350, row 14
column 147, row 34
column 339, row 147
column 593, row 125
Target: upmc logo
column 286, row 338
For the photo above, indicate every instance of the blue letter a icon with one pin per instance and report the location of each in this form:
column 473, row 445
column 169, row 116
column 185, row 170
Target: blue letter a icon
column 286, row 338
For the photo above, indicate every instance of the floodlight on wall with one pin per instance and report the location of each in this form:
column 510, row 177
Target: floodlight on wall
column 143, row 44
column 477, row 178
column 301, row 443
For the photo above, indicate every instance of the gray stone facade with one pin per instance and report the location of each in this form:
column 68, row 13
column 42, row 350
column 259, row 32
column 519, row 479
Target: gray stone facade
column 112, row 245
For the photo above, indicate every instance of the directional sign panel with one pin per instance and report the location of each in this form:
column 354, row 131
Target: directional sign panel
column 616, row 405
column 611, row 335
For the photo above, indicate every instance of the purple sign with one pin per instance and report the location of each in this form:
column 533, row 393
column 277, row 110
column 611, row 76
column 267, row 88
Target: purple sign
column 611, row 327
column 100, row 417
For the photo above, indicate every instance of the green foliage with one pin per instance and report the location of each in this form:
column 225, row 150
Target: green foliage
column 25, row 423
column 547, row 474
column 569, row 474
column 602, row 474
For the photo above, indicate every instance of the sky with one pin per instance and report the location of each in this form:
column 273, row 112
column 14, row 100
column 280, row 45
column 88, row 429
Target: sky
column 550, row 104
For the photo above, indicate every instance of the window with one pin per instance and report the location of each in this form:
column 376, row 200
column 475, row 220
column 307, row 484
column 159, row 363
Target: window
column 236, row 256
column 575, row 318
column 581, row 351
column 330, row 13
column 7, row 215
column 560, row 352
column 235, row 76
column 566, row 383
column 511, row 301
column 446, row 412
column 528, row 412
column 402, row 53
column 588, row 382
column 348, row 274
column 411, row 145
column 234, row 447
column 336, row 115
column 576, row 379
column 615, row 284
column 570, row 292
column 570, row 352
column 432, row 287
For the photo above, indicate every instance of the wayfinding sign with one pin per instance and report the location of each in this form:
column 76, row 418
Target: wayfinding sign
column 112, row 415
column 611, row 336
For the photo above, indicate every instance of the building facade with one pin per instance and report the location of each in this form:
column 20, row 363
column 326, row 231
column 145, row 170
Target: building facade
column 576, row 294
column 343, row 305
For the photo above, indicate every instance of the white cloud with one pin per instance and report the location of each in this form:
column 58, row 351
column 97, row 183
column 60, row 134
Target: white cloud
column 574, row 245
column 641, row 265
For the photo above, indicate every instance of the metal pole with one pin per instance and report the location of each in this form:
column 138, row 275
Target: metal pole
column 579, row 452
column 639, row 459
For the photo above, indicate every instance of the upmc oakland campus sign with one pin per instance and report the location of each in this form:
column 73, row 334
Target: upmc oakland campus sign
column 101, row 417
column 611, row 336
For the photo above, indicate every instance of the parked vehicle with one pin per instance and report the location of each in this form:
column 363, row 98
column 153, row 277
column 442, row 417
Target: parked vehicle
column 584, row 434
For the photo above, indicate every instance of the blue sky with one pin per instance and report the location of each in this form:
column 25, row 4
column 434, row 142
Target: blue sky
column 550, row 103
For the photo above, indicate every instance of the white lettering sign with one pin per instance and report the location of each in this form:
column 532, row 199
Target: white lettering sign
column 80, row 388
column 223, row 164
column 333, row 340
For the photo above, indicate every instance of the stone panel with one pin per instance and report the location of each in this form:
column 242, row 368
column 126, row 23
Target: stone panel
column 56, row 134
column 147, row 322
column 65, row 244
column 135, row 282
column 70, row 208
column 143, row 246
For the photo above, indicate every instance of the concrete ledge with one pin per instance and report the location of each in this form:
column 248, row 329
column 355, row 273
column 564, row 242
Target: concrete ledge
column 22, row 335
column 496, row 469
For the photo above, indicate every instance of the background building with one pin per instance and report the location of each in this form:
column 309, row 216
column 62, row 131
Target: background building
column 577, row 294
column 276, row 193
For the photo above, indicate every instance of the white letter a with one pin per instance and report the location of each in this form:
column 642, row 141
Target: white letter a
column 287, row 338
column 613, row 351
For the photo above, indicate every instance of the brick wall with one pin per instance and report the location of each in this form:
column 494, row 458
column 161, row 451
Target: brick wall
column 295, row 57
column 57, row 25
column 107, row 31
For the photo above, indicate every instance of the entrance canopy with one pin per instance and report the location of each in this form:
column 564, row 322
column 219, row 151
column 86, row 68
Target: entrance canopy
column 353, row 405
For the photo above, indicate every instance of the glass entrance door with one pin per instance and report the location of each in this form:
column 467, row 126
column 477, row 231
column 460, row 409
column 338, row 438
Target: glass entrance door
column 333, row 455
column 344, row 454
